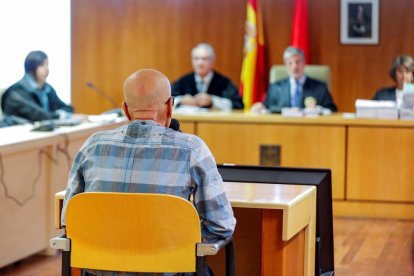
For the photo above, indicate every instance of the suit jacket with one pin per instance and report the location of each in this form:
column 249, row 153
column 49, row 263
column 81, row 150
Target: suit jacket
column 278, row 95
column 19, row 100
column 385, row 94
column 219, row 86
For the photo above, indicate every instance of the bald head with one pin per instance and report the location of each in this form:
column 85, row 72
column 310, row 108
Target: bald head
column 146, row 92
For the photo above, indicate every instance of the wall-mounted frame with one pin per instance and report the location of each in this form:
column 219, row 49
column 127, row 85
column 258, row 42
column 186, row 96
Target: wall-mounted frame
column 359, row 21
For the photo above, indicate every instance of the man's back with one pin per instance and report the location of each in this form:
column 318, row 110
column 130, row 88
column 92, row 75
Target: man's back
column 148, row 158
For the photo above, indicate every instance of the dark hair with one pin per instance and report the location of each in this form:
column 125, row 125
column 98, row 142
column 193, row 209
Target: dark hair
column 404, row 60
column 33, row 60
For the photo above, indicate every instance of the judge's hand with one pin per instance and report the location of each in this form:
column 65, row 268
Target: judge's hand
column 188, row 100
column 203, row 100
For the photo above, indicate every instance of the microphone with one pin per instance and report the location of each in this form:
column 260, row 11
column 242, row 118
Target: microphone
column 115, row 109
column 175, row 125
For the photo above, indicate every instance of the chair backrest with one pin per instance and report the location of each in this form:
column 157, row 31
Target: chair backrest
column 132, row 232
column 318, row 72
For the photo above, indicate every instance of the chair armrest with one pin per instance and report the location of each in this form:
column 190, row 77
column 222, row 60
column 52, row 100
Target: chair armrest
column 60, row 243
column 205, row 249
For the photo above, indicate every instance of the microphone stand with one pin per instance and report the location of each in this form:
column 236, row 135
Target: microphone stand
column 115, row 109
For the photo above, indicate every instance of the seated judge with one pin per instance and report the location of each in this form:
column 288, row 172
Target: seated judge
column 205, row 87
column 401, row 72
column 292, row 91
column 32, row 97
column 161, row 159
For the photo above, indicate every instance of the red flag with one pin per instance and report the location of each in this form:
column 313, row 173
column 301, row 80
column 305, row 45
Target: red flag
column 299, row 37
column 253, row 76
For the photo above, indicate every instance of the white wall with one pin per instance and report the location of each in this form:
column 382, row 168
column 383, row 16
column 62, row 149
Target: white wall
column 27, row 25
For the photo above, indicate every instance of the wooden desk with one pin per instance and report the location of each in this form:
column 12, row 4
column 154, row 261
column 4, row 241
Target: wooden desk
column 371, row 159
column 275, row 232
column 33, row 167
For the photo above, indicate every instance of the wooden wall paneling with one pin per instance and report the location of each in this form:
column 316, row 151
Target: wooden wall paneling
column 359, row 70
column 113, row 38
column 301, row 146
column 378, row 168
column 127, row 35
column 188, row 127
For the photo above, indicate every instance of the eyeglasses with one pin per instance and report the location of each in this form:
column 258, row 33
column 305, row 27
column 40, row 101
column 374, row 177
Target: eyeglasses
column 170, row 99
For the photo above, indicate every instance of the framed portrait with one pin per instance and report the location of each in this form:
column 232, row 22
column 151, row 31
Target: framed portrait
column 359, row 21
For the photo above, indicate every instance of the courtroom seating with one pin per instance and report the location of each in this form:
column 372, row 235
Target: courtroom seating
column 318, row 72
column 134, row 232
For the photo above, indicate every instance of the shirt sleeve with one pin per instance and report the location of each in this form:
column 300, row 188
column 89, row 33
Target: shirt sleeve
column 76, row 183
column 221, row 103
column 211, row 202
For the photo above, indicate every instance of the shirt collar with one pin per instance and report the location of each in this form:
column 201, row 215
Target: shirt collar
column 30, row 82
column 207, row 79
column 301, row 80
column 31, row 85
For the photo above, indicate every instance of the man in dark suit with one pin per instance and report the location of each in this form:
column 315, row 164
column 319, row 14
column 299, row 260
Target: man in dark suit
column 205, row 87
column 296, row 89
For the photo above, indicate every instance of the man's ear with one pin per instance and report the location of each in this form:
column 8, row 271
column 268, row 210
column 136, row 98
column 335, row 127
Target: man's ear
column 169, row 114
column 125, row 109
column 169, row 109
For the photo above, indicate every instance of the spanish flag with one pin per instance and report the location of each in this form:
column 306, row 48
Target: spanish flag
column 253, row 77
column 299, row 37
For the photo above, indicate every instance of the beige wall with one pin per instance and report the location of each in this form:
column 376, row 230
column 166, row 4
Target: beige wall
column 113, row 38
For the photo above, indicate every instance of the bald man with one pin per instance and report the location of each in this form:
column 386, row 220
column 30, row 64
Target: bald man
column 147, row 156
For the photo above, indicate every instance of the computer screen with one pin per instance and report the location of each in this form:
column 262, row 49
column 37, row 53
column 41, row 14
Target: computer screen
column 321, row 178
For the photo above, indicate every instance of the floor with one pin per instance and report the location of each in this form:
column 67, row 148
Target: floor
column 362, row 247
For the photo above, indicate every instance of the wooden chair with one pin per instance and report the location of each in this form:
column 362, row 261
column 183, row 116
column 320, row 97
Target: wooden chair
column 134, row 232
column 318, row 72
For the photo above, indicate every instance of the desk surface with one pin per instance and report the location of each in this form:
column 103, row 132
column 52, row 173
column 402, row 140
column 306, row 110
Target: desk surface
column 255, row 195
column 15, row 138
column 266, row 196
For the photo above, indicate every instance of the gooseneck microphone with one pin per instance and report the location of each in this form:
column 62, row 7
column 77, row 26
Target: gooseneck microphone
column 115, row 109
column 175, row 125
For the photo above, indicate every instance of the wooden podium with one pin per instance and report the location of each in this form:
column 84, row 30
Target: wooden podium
column 275, row 231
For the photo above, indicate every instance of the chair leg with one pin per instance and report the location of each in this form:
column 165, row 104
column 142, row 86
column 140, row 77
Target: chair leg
column 200, row 263
column 230, row 264
column 66, row 269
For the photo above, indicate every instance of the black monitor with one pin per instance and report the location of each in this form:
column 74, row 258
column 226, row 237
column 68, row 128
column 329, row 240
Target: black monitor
column 321, row 178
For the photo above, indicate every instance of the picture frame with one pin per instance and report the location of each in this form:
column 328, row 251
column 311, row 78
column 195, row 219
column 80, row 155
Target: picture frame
column 359, row 21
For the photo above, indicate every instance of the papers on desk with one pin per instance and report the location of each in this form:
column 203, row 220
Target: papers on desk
column 376, row 109
column 407, row 103
column 408, row 96
column 407, row 113
column 189, row 109
column 306, row 112
column 292, row 112
column 103, row 117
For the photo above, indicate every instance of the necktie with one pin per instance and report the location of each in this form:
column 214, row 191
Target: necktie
column 297, row 96
column 201, row 86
